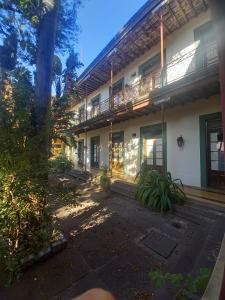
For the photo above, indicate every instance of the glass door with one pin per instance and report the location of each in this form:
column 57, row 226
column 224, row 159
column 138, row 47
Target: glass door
column 117, row 152
column 81, row 153
column 95, row 152
column 215, row 154
column 153, row 150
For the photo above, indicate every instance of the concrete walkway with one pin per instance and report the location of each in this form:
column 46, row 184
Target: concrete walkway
column 113, row 242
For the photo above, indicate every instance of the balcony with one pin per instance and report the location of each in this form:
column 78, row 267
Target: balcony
column 193, row 69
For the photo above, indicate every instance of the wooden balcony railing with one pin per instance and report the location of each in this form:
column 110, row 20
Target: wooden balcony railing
column 196, row 60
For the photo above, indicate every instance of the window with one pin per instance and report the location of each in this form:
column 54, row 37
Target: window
column 81, row 153
column 95, row 152
column 117, row 93
column 150, row 72
column 117, row 151
column 150, row 65
column 205, row 33
column 82, row 114
column 206, row 52
column 153, row 150
column 95, row 106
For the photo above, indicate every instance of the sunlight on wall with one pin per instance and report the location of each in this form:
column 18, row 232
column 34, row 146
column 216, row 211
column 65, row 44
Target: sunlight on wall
column 149, row 151
column 131, row 156
column 182, row 63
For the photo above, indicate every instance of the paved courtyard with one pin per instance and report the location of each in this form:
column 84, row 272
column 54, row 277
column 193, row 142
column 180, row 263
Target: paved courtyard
column 113, row 242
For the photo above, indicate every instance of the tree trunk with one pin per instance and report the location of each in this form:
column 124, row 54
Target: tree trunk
column 44, row 67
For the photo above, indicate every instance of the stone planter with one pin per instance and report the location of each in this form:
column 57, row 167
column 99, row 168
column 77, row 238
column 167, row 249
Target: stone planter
column 44, row 254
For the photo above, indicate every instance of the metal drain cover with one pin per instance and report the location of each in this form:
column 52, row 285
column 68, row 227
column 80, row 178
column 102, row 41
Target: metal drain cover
column 159, row 243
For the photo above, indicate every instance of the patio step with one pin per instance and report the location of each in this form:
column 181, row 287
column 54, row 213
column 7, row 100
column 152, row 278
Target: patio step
column 124, row 188
column 204, row 194
column 127, row 189
column 81, row 175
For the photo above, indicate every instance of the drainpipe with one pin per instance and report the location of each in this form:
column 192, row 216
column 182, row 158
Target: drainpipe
column 111, row 107
column 110, row 149
column 85, row 165
column 111, row 86
column 218, row 17
column 162, row 41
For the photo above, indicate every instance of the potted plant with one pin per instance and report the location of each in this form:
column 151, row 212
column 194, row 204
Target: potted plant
column 105, row 181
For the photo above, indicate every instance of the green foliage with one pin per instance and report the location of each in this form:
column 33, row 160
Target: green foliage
column 25, row 219
column 105, row 181
column 60, row 164
column 66, row 91
column 65, row 194
column 160, row 279
column 158, row 191
column 199, row 283
column 8, row 52
column 67, row 25
column 189, row 284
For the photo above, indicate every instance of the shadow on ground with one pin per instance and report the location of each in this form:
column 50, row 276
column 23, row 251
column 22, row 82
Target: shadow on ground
column 110, row 245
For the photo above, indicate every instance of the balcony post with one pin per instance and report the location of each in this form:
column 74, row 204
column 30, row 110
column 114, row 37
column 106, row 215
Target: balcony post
column 110, row 149
column 85, row 101
column 85, row 152
column 111, row 87
column 162, row 106
column 161, row 41
column 218, row 17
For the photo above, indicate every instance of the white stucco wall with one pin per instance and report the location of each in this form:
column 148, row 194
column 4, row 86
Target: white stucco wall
column 177, row 44
column 181, row 120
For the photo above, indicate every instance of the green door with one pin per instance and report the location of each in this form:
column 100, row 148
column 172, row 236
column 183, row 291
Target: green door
column 153, row 147
column 95, row 152
column 212, row 151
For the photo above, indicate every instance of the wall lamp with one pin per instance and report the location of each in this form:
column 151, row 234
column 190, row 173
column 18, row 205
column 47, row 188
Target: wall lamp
column 180, row 141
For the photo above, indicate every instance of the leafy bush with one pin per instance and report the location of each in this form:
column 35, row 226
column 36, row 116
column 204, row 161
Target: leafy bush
column 158, row 191
column 188, row 283
column 105, row 181
column 60, row 164
column 65, row 194
column 25, row 219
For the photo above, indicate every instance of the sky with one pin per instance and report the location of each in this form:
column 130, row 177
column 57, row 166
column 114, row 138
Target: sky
column 100, row 20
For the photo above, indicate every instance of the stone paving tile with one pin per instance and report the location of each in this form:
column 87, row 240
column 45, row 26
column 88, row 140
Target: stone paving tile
column 99, row 244
column 86, row 283
column 127, row 275
column 46, row 279
column 106, row 249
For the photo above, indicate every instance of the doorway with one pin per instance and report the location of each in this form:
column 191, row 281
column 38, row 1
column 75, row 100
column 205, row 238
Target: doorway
column 212, row 151
column 153, row 147
column 81, row 153
column 95, row 152
column 117, row 152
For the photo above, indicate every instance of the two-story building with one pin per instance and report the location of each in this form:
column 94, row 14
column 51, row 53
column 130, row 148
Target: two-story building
column 153, row 96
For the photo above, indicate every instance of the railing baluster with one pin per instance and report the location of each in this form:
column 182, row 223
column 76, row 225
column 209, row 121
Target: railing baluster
column 172, row 71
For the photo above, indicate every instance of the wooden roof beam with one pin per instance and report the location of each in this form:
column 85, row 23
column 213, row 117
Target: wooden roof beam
column 175, row 17
column 100, row 75
column 148, row 34
column 96, row 79
column 182, row 11
column 192, row 7
column 127, row 54
column 205, row 5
